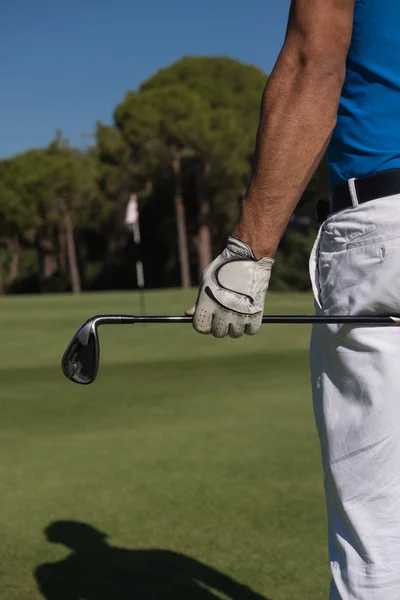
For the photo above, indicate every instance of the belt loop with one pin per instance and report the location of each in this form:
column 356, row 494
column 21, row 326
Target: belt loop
column 353, row 192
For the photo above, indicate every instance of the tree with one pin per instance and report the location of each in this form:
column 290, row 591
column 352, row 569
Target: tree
column 163, row 127
column 71, row 179
column 18, row 212
column 180, row 120
column 50, row 191
column 222, row 83
column 118, row 177
column 232, row 92
column 184, row 145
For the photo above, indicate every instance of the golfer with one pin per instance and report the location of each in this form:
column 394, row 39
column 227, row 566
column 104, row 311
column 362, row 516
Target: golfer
column 335, row 88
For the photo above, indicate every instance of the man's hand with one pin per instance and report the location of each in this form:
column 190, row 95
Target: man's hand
column 232, row 292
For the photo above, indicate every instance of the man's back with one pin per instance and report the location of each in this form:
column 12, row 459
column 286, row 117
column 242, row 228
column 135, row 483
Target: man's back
column 366, row 139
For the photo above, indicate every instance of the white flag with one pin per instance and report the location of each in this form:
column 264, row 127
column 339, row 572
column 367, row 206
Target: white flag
column 132, row 211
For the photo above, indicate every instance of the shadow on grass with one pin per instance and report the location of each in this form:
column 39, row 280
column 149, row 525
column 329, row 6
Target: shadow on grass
column 97, row 571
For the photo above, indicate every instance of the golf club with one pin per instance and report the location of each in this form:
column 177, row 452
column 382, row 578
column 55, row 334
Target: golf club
column 80, row 362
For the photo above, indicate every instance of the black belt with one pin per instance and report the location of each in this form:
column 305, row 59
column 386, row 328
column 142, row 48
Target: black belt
column 367, row 188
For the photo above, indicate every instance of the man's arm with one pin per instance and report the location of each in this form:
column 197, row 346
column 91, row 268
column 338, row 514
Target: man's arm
column 298, row 115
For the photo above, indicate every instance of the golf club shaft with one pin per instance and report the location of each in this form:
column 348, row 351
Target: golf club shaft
column 80, row 361
column 268, row 319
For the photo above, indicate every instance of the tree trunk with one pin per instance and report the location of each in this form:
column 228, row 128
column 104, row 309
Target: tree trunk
column 71, row 250
column 204, row 238
column 183, row 249
column 2, row 287
column 46, row 255
column 49, row 266
column 62, row 243
column 13, row 246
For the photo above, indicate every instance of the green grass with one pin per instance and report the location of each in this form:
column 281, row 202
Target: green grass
column 203, row 449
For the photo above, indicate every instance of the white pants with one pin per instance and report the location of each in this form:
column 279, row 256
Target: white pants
column 355, row 269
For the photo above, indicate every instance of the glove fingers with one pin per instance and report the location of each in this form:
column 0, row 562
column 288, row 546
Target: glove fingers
column 254, row 325
column 220, row 325
column 232, row 292
column 202, row 320
column 236, row 329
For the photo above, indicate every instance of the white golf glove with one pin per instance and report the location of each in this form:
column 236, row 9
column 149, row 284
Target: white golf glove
column 232, row 292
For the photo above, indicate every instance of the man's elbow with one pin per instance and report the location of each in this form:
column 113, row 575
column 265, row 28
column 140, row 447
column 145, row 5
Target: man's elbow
column 322, row 67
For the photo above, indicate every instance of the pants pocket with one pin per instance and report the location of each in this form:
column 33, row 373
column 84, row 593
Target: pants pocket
column 332, row 274
column 325, row 269
column 314, row 268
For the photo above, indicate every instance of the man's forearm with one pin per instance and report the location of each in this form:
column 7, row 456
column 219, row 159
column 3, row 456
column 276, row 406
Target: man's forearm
column 298, row 115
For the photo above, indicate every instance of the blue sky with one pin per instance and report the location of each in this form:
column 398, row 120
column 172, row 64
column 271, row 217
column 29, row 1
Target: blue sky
column 67, row 64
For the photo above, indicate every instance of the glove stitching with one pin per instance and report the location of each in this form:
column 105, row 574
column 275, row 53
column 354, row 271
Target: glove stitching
column 209, row 293
column 215, row 273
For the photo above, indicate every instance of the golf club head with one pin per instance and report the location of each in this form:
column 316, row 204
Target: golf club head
column 80, row 362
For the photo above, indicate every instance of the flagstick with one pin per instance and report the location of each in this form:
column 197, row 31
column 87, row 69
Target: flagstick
column 132, row 221
column 139, row 270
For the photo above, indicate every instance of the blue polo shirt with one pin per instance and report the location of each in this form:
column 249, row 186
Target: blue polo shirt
column 366, row 139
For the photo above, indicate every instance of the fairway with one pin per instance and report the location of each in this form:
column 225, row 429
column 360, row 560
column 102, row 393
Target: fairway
column 197, row 457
